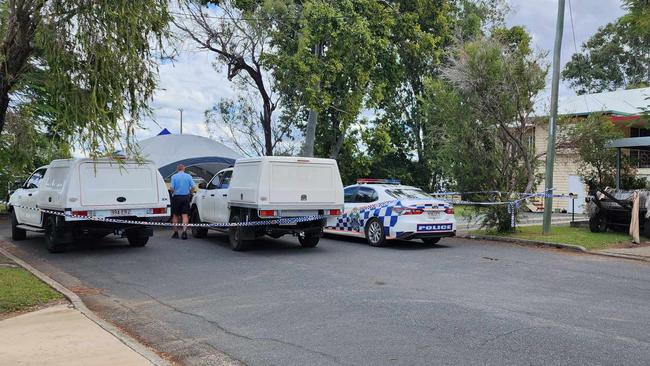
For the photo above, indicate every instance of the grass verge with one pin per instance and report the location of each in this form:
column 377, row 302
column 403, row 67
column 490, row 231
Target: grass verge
column 20, row 290
column 566, row 235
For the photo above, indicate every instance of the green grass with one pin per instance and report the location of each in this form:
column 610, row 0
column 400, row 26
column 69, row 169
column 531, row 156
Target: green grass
column 465, row 211
column 567, row 235
column 20, row 290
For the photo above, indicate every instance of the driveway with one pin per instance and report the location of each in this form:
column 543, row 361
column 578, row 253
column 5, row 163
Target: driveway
column 344, row 303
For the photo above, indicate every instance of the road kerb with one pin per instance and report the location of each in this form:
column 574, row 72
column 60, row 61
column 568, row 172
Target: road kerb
column 578, row 248
column 76, row 301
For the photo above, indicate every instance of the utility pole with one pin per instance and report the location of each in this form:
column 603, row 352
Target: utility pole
column 181, row 110
column 312, row 120
column 550, row 148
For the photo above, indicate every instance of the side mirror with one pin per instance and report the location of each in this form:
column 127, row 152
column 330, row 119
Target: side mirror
column 32, row 186
column 202, row 185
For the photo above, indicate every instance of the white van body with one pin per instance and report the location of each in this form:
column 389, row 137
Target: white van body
column 101, row 188
column 286, row 184
column 271, row 187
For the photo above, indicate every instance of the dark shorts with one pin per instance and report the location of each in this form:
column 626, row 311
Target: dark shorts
column 181, row 205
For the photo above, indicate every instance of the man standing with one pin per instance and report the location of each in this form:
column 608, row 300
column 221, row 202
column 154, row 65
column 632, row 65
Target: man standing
column 182, row 185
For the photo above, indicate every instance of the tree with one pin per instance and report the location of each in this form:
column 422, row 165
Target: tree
column 23, row 148
column 617, row 56
column 344, row 76
column 240, row 38
column 486, row 104
column 86, row 68
column 597, row 164
column 241, row 123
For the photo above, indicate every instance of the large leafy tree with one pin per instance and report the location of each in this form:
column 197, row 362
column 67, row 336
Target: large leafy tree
column 617, row 56
column 86, row 69
column 485, row 105
column 331, row 58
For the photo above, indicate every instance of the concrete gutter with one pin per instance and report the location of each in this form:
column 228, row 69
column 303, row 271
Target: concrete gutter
column 577, row 248
column 76, row 301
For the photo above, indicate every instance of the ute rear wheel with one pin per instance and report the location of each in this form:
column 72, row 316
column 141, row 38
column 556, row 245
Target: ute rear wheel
column 195, row 218
column 137, row 240
column 375, row 233
column 16, row 232
column 308, row 240
column 235, row 235
column 52, row 235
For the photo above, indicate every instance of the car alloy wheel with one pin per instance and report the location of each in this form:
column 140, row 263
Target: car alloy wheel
column 375, row 233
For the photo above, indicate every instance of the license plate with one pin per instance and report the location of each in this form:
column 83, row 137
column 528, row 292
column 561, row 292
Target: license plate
column 434, row 215
column 120, row 212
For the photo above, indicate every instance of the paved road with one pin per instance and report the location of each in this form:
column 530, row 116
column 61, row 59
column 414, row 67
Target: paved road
column 344, row 303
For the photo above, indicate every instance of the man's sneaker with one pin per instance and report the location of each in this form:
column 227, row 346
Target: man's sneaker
column 184, row 236
column 175, row 236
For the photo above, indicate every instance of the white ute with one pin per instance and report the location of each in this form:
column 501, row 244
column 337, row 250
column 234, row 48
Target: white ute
column 101, row 188
column 268, row 188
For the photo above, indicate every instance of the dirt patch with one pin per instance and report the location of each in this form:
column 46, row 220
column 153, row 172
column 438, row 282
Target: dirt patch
column 86, row 291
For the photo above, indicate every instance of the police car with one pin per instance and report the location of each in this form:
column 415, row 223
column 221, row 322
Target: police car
column 384, row 209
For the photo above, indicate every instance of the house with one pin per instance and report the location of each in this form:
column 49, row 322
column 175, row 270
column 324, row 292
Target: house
column 622, row 106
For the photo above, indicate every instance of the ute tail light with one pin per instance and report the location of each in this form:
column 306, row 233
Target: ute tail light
column 79, row 213
column 267, row 213
column 449, row 210
column 159, row 210
column 334, row 212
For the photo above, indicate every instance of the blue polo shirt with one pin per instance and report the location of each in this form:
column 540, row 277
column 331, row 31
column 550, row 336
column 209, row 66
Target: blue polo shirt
column 182, row 184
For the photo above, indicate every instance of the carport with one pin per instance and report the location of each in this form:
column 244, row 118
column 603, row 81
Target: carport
column 636, row 143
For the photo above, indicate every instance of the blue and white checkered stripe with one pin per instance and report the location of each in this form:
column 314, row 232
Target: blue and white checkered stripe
column 383, row 211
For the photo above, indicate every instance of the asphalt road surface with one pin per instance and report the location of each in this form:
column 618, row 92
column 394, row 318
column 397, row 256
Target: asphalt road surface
column 344, row 303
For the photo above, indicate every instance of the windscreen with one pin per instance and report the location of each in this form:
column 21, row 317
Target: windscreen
column 408, row 193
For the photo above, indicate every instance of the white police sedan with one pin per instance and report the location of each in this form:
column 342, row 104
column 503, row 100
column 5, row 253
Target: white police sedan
column 384, row 209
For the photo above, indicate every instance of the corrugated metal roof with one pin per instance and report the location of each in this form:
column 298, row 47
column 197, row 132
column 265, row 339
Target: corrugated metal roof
column 619, row 102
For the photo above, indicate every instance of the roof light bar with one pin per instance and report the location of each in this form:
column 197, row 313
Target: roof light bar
column 378, row 181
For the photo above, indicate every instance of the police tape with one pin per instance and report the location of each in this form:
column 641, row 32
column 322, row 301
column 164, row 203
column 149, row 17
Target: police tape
column 280, row 221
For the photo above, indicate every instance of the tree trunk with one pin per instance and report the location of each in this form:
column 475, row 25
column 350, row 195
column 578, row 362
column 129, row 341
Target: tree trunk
column 312, row 120
column 336, row 148
column 310, row 133
column 4, row 105
column 266, row 125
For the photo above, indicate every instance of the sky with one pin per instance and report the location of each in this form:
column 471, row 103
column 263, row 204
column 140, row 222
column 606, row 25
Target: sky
column 192, row 83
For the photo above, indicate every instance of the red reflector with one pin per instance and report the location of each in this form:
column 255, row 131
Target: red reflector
column 449, row 210
column 267, row 213
column 80, row 213
column 335, row 212
column 159, row 210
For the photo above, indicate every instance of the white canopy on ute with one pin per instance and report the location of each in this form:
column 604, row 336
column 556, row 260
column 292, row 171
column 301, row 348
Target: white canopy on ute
column 202, row 156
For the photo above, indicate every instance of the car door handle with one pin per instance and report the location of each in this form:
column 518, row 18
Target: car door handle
column 212, row 195
column 225, row 194
column 29, row 194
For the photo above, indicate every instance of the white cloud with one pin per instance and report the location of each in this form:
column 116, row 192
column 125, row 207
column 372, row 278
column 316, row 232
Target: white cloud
column 192, row 83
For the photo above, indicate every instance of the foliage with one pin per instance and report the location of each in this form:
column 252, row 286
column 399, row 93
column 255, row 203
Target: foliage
column 617, row 56
column 597, row 161
column 24, row 148
column 331, row 56
column 86, row 69
column 239, row 120
column 485, row 106
column 240, row 38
